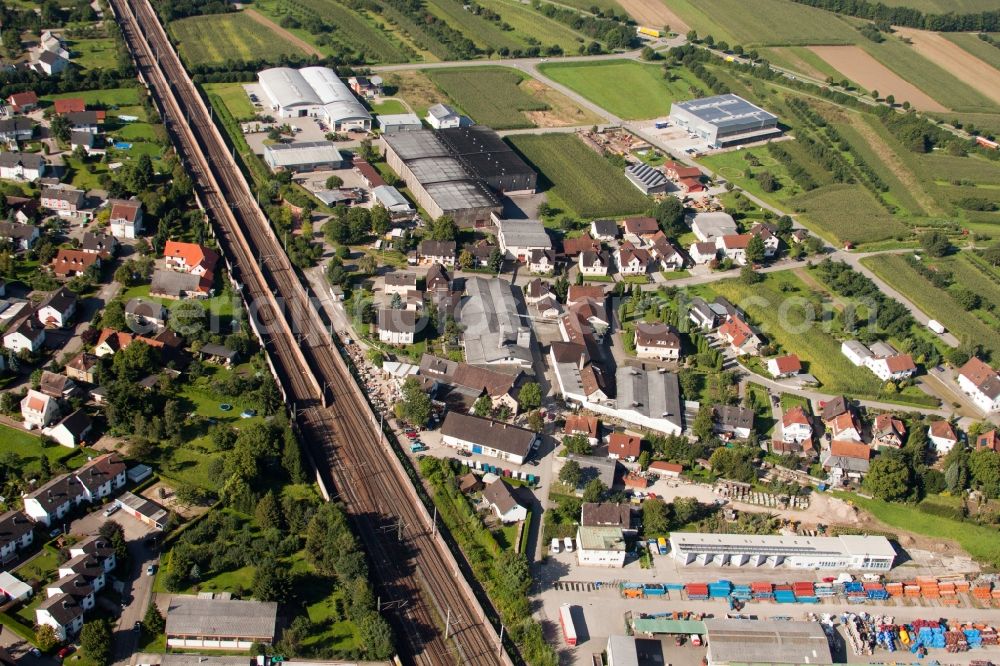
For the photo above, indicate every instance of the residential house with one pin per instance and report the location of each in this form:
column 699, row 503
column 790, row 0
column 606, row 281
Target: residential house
column 110, row 342
column 734, row 247
column 670, row 257
column 632, row 260
column 74, row 586
column 437, row 279
column 487, row 437
column 796, row 426
column 66, row 105
column 23, row 102
column 600, row 546
column 888, row 431
column 73, row 430
column 126, row 218
column 366, row 86
column 397, row 327
column 740, row 336
column 63, row 613
column 399, row 282
column 942, row 436
column 189, row 258
column 856, row 353
column 573, row 247
column 102, row 476
column 542, row 262
column 16, row 534
column 38, row 410
column 703, row 252
column 145, row 316
column 482, row 252
column 988, row 440
column 502, row 503
column 981, row 383
column 16, row 129
column 437, row 252
column 20, row 236
column 845, row 426
column 834, row 408
column 666, row 470
column 26, row 335
column 847, row 461
column 51, row 501
column 24, row 209
column 706, row 316
column 171, row 284
column 784, row 366
column 536, row 290
column 657, row 340
column 604, row 230
column 894, row 368
column 103, row 245
column 89, row 142
column 442, row 116
column 623, row 446
column 86, row 121
column 50, row 63
column 469, row 483
column 58, row 308
column 593, row 264
column 767, row 234
column 641, row 226
column 733, row 420
column 82, row 368
column 70, row 263
column 799, row 236
column 459, row 384
column 580, row 380
column 56, row 386
column 709, row 226
column 582, row 424
column 22, row 166
column 64, row 201
column 608, row 514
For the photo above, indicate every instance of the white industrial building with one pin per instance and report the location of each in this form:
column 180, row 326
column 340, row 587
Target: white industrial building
column 646, row 398
column 600, row 546
column 725, row 120
column 315, row 92
column 304, row 156
column 495, row 332
column 866, row 553
column 517, row 238
column 399, row 122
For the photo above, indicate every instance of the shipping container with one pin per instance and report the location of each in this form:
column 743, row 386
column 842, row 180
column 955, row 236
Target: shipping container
column 566, row 621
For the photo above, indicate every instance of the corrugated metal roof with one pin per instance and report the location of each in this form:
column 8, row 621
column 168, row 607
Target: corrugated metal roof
column 662, row 625
column 193, row 616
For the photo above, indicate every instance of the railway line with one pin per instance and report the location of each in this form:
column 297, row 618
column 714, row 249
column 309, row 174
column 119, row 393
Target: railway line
column 419, row 583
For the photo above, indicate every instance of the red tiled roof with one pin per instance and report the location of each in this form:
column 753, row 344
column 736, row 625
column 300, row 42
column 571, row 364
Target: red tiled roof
column 575, row 246
column 67, row 261
column 988, row 440
column 192, row 254
column 625, row 446
column 581, row 423
column 70, row 105
column 943, row 430
column 850, row 449
column 795, row 415
column 18, row 100
column 641, row 225
column 900, row 363
column 583, row 292
column 985, row 378
column 736, row 241
column 736, row 331
column 660, row 466
column 125, row 210
column 790, row 363
column 633, row 480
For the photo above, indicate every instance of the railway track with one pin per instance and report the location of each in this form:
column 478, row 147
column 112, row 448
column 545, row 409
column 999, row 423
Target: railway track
column 419, row 582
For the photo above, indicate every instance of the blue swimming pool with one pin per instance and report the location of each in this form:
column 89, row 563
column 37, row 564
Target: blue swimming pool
column 122, row 145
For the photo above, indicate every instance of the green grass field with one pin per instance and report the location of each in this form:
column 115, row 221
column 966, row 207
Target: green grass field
column 789, row 319
column 982, row 543
column 485, row 34
column 765, row 22
column 898, row 193
column 800, row 59
column 937, row 303
column 389, row 107
column 849, row 213
column 97, row 53
column 234, row 97
column 626, row 88
column 577, row 179
column 531, row 25
column 977, row 47
column 490, row 96
column 945, row 6
column 216, row 39
column 933, row 80
column 355, row 29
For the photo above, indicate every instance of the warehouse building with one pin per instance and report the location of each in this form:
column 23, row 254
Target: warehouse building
column 315, row 92
column 725, row 120
column 646, row 398
column 494, row 331
column 392, row 200
column 646, row 178
column 600, row 546
column 305, row 156
column 489, row 159
column 199, row 622
column 867, row 553
column 487, row 437
column 440, row 183
column 765, row 642
column 517, row 238
column 399, row 122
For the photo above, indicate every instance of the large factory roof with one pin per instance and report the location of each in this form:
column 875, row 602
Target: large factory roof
column 483, row 151
column 288, row 87
column 655, row 395
column 726, row 110
column 416, row 145
column 312, row 86
column 766, row 642
column 875, row 546
column 459, row 194
column 437, row 169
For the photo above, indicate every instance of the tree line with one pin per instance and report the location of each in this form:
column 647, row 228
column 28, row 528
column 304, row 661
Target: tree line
column 987, row 21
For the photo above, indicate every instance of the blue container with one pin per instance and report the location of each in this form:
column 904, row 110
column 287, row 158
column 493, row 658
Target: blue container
column 654, row 590
column 674, row 586
column 807, row 600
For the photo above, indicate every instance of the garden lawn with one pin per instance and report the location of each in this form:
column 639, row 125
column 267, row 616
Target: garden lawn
column 234, row 96
column 389, row 107
column 937, row 303
column 111, row 98
column 981, row 543
column 626, row 88
column 490, row 96
column 29, row 448
column 215, row 39
column 577, row 179
column 97, row 53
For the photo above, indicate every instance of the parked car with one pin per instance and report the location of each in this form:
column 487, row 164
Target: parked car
column 137, row 626
column 65, row 652
column 35, row 652
column 568, row 543
column 555, row 546
column 111, row 509
column 151, row 569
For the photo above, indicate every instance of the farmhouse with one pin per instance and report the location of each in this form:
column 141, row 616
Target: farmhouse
column 980, row 382
column 196, row 622
column 304, row 156
column 647, row 179
column 725, row 120
column 317, row 92
column 439, row 181
column 518, row 238
column 657, row 340
column 487, row 437
column 500, row 499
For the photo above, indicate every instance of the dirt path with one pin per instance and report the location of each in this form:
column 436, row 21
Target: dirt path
column 300, row 43
column 860, row 67
column 958, row 62
column 562, row 112
column 654, row 14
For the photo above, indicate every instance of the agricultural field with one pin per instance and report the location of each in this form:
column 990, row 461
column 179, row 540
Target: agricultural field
column 485, row 34
column 530, row 25
column 765, row 22
column 863, row 68
column 655, row 14
column 977, row 47
column 628, row 89
column 504, row 98
column 945, row 6
column 938, row 303
column 354, row 30
column 849, row 213
column 216, row 39
column 577, row 179
column 415, row 88
column 234, row 96
column 800, row 59
column 955, row 60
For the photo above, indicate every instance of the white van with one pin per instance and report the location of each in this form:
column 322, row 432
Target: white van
column 554, row 547
column 568, row 542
